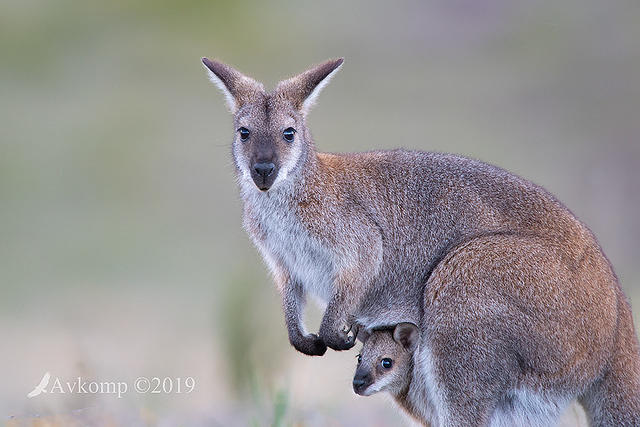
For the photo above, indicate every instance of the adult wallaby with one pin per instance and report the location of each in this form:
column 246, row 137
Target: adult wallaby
column 364, row 231
column 511, row 333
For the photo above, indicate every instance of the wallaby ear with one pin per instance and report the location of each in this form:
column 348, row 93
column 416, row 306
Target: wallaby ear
column 303, row 89
column 237, row 88
column 407, row 335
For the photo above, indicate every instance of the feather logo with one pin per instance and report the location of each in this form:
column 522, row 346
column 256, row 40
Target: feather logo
column 40, row 387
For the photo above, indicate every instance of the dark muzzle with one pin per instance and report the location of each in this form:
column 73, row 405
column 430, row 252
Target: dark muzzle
column 264, row 174
column 361, row 381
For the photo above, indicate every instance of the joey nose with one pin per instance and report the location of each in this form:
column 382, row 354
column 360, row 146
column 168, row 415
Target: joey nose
column 360, row 383
column 264, row 169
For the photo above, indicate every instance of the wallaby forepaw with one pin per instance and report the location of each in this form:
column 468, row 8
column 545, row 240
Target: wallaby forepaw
column 339, row 341
column 310, row 344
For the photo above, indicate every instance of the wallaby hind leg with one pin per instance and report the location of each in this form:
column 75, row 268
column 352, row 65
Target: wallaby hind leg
column 607, row 403
column 461, row 397
column 515, row 330
column 614, row 399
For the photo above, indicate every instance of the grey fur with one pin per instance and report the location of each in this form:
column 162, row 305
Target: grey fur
column 376, row 235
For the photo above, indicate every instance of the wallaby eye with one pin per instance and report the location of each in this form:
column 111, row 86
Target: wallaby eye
column 244, row 133
column 386, row 363
column 288, row 134
column 359, row 358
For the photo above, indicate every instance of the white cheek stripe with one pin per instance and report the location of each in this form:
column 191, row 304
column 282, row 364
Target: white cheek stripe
column 379, row 385
column 287, row 166
column 245, row 175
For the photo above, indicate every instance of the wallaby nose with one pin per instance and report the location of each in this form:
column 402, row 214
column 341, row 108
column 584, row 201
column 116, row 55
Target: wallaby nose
column 264, row 169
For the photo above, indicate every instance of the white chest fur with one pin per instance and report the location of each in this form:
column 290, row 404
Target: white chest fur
column 284, row 239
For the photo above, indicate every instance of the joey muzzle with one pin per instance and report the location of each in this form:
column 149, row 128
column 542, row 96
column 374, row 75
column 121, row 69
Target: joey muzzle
column 361, row 381
column 264, row 173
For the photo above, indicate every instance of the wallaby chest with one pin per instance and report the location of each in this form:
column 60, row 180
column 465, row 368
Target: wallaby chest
column 278, row 230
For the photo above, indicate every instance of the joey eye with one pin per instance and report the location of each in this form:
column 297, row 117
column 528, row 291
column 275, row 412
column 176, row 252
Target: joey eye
column 359, row 357
column 386, row 363
column 244, row 133
column 288, row 134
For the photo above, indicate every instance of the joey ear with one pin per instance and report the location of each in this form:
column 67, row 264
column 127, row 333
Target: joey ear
column 303, row 89
column 407, row 335
column 236, row 87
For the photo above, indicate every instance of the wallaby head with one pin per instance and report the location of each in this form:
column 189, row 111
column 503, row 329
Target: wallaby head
column 386, row 360
column 271, row 142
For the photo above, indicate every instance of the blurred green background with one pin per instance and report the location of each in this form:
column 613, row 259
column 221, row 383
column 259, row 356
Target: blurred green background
column 121, row 247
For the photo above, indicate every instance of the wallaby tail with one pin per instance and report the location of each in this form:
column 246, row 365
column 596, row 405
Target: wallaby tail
column 614, row 399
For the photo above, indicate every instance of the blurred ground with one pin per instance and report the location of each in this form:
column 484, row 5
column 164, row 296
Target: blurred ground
column 121, row 249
